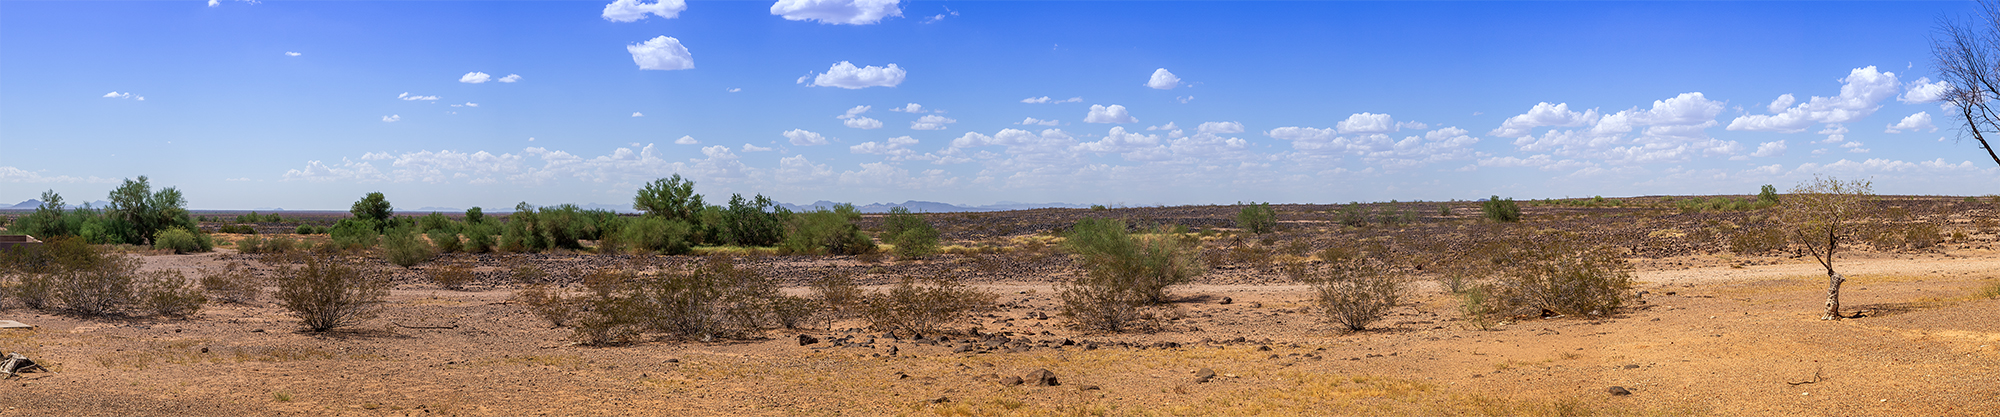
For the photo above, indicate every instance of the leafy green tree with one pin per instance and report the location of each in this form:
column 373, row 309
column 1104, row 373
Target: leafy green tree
column 474, row 216
column 912, row 237
column 1501, row 210
column 757, row 221
column 1257, row 218
column 374, row 207
column 672, row 198
column 148, row 212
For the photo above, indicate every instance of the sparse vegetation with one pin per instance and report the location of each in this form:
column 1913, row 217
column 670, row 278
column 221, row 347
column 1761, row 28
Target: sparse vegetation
column 713, row 301
column 1817, row 214
column 402, row 247
column 169, row 293
column 1124, row 273
column 325, row 294
column 1499, row 210
column 922, row 305
column 234, row 283
column 1257, row 218
column 911, row 236
column 1351, row 290
column 1564, row 276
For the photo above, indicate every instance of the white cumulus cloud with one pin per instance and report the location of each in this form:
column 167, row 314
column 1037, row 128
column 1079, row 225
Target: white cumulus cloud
column 633, row 10
column 288, row 53
column 1367, row 123
column 854, row 119
column 1163, row 80
column 931, row 122
column 802, row 137
column 405, row 96
column 1168, row 126
column 1924, row 91
column 845, row 75
column 661, row 53
column 1543, row 114
column 1047, row 100
column 686, row 140
column 910, row 108
column 1769, row 149
column 1113, row 114
column 837, row 12
column 392, row 118
column 1916, row 122
column 510, row 78
column 1035, row 121
column 1216, row 127
column 754, row 148
column 1861, row 93
column 638, row 114
column 474, row 77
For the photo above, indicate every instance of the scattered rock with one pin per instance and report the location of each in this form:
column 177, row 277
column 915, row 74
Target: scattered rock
column 1042, row 378
column 892, row 351
column 1203, row 375
column 1089, row 388
column 1631, row 366
column 1618, row 390
column 965, row 348
column 900, row 375
column 807, row 340
column 1011, row 381
column 1263, row 348
column 940, row 400
column 1226, row 300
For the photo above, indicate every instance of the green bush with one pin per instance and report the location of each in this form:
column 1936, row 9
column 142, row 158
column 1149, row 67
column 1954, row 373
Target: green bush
column 1567, row 277
column 96, row 284
column 355, row 234
column 445, row 240
column 669, row 198
column 304, row 229
column 1756, row 240
column 236, row 229
column 436, row 221
column 1124, row 273
column 374, row 207
column 754, row 222
column 658, row 234
column 713, row 301
column 167, row 292
column 1500, row 210
column 1768, row 195
column 912, row 236
column 823, row 231
column 478, row 239
column 327, row 295
column 250, row 245
column 1257, row 218
column 182, row 241
column 1354, row 214
column 918, row 306
column 1355, row 292
column 401, row 246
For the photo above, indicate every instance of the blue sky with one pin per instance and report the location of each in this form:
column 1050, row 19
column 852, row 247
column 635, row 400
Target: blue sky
column 309, row 105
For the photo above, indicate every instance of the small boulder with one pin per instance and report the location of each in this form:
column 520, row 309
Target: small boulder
column 1226, row 300
column 807, row 340
column 1042, row 378
column 1011, row 381
column 1618, row 390
column 964, row 348
column 1203, row 375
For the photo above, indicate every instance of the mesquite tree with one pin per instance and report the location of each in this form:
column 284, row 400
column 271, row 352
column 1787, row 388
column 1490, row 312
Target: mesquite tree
column 1820, row 215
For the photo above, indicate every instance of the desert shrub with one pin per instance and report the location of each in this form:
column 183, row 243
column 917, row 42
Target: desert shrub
column 355, row 234
column 250, row 245
column 327, row 295
column 1767, row 195
column 1500, row 210
column 1756, row 240
column 670, row 198
column 659, row 234
column 1921, row 235
column 478, row 239
column 237, row 229
column 794, row 312
column 1355, row 292
column 1990, row 290
column 1567, row 277
column 453, row 276
column 91, row 282
column 911, row 236
column 548, row 303
column 167, row 292
column 374, row 210
column 715, row 300
column 1147, row 264
column 1257, row 218
column 234, row 283
column 519, row 236
column 827, row 231
column 919, row 306
column 305, row 229
column 838, row 294
column 401, row 246
column 1475, row 307
column 529, row 274
column 445, row 241
column 436, row 221
column 182, row 241
column 1354, row 214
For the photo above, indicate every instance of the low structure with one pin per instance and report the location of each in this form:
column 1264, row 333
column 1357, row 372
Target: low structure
column 10, row 241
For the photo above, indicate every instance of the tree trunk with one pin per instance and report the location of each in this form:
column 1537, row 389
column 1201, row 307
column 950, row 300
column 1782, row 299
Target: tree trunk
column 1833, row 281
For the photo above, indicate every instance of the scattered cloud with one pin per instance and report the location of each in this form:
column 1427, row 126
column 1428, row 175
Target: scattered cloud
column 845, row 75
column 467, row 104
column 1769, row 149
column 941, row 16
column 1923, row 91
column 686, row 140
column 1163, row 80
column 474, row 77
column 119, row 95
column 1214, row 127
column 1047, row 100
column 802, row 137
column 1915, row 122
column 633, row 10
column 854, row 119
column 732, row 90
column 1861, row 94
column 1034, row 121
column 1113, row 114
column 17, row 175
column 638, row 114
column 392, row 118
column 837, row 12
column 754, row 148
column 896, row 148
column 1367, row 123
column 289, row 53
column 931, row 122
column 510, row 78
column 1543, row 114
column 405, row 96
column 662, row 53
column 1184, row 99
column 1673, row 130
column 1168, row 126
column 910, row 108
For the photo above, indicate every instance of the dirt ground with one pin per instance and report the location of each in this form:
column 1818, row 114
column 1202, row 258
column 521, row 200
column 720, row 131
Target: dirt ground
column 1713, row 335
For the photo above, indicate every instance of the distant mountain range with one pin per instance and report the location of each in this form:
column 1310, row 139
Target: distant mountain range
column 913, row 205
